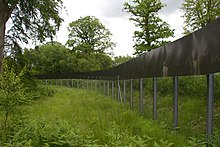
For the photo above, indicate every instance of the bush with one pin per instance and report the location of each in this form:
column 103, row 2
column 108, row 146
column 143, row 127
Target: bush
column 12, row 95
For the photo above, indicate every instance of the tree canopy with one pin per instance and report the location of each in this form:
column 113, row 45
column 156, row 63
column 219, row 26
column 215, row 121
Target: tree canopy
column 121, row 59
column 153, row 31
column 56, row 58
column 198, row 13
column 30, row 19
column 88, row 34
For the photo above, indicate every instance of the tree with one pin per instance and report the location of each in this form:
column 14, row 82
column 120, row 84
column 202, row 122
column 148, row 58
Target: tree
column 152, row 31
column 121, row 59
column 93, row 61
column 51, row 58
column 12, row 95
column 198, row 13
column 88, row 34
column 56, row 58
column 36, row 19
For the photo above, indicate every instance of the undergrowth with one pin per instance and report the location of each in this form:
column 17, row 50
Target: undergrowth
column 74, row 117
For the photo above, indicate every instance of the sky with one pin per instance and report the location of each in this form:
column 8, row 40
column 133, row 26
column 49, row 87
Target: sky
column 110, row 13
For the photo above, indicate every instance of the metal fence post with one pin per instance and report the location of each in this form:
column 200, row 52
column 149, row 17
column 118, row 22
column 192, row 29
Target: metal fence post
column 113, row 89
column 61, row 82
column 82, row 84
column 100, row 86
column 108, row 88
column 175, row 107
column 131, row 94
column 46, row 82
column 56, row 82
column 72, row 83
column 68, row 84
column 87, row 84
column 125, row 92
column 104, row 87
column 77, row 83
column 141, row 95
column 119, row 91
column 91, row 81
column 155, row 98
column 210, row 107
column 95, row 85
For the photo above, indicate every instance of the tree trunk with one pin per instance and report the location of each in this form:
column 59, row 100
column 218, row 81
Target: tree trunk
column 2, row 40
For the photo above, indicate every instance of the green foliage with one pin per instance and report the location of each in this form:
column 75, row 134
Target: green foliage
column 88, row 34
column 121, row 59
column 17, row 88
column 17, row 62
column 56, row 58
column 198, row 13
column 92, row 61
column 200, row 142
column 95, row 121
column 34, row 19
column 51, row 58
column 51, row 134
column 11, row 96
column 153, row 31
column 15, row 58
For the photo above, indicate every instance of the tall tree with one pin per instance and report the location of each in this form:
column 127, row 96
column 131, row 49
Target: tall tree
column 152, row 31
column 198, row 13
column 50, row 58
column 31, row 19
column 88, row 34
column 121, row 59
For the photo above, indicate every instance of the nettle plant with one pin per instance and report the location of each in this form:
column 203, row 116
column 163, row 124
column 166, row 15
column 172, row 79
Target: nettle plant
column 11, row 97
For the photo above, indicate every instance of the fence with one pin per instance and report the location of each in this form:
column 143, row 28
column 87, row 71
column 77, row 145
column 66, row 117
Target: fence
column 195, row 54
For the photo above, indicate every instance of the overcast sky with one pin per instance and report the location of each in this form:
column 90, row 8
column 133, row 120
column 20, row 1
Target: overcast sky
column 110, row 13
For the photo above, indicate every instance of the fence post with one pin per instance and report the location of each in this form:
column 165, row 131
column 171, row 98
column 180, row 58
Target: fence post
column 104, row 87
column 108, row 88
column 72, row 83
column 175, row 107
column 45, row 82
column 100, row 86
column 82, row 84
column 210, row 107
column 125, row 92
column 61, row 82
column 56, row 82
column 68, row 84
column 141, row 95
column 87, row 84
column 131, row 94
column 91, row 81
column 77, row 83
column 95, row 85
column 119, row 91
column 113, row 89
column 155, row 98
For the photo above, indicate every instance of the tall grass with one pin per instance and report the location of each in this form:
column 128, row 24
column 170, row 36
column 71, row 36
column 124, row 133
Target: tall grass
column 105, row 120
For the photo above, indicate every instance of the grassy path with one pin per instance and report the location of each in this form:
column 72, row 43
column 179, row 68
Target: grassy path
column 88, row 118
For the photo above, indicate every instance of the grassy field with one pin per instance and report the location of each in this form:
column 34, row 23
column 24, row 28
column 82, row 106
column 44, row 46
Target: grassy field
column 61, row 116
column 78, row 117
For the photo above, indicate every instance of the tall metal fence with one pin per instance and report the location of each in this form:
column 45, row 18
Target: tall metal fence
column 195, row 54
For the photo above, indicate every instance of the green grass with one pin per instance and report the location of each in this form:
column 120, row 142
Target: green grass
column 192, row 105
column 106, row 121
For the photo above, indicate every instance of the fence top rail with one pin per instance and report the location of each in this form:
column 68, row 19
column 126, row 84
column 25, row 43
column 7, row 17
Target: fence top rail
column 195, row 54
